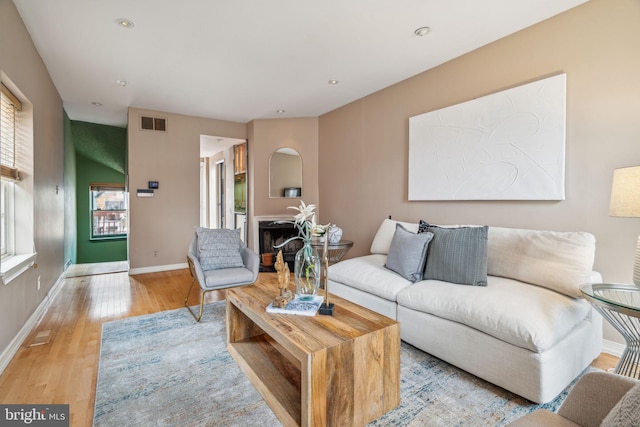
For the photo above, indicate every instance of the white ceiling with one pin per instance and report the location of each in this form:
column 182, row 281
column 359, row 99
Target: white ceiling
column 241, row 60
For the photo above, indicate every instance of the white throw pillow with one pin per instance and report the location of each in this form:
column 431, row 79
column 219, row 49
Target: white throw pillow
column 384, row 236
column 560, row 261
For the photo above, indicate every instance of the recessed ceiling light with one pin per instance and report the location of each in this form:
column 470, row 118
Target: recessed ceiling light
column 422, row 31
column 280, row 111
column 333, row 82
column 124, row 23
column 96, row 104
column 122, row 82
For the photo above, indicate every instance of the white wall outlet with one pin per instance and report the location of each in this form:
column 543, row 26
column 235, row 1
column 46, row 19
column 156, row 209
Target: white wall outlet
column 155, row 253
column 38, row 283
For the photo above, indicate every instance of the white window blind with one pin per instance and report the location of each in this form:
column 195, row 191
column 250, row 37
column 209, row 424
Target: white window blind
column 9, row 106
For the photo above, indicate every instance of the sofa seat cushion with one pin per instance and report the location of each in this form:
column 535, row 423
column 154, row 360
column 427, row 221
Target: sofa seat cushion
column 526, row 316
column 368, row 273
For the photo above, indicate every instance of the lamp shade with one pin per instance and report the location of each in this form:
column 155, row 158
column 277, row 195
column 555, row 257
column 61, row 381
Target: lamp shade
column 625, row 193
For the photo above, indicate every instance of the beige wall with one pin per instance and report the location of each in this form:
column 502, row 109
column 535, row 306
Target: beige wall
column 364, row 145
column 21, row 63
column 266, row 136
column 165, row 222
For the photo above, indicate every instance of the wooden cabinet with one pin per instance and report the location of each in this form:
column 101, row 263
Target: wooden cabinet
column 240, row 158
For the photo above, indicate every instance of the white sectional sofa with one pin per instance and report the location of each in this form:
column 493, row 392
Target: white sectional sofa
column 524, row 328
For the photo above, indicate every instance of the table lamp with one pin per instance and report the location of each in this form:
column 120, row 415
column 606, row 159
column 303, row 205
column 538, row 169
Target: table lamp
column 625, row 202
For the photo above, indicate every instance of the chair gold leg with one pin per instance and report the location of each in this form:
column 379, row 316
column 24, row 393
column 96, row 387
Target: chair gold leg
column 186, row 299
column 186, row 302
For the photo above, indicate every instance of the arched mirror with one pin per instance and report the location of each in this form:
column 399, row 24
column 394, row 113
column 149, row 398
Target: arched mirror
column 285, row 173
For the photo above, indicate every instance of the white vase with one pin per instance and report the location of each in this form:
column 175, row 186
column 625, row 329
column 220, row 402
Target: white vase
column 335, row 234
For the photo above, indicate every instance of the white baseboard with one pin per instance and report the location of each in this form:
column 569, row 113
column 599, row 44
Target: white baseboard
column 30, row 325
column 157, row 268
column 612, row 347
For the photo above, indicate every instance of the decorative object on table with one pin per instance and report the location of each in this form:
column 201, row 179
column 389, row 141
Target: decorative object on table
column 334, row 233
column 307, row 266
column 327, row 307
column 625, row 202
column 284, row 275
column 300, row 306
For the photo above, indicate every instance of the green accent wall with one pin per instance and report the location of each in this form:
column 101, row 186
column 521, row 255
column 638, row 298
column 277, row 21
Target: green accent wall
column 100, row 158
column 69, row 176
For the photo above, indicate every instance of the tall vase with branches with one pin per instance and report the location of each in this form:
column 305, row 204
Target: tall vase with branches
column 308, row 264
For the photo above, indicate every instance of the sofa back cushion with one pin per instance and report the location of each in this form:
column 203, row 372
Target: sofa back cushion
column 561, row 261
column 457, row 255
column 384, row 236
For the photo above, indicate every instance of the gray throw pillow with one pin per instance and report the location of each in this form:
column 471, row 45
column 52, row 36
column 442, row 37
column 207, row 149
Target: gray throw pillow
column 407, row 253
column 218, row 248
column 458, row 255
column 626, row 412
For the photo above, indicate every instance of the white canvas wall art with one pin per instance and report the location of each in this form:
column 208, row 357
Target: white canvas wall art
column 505, row 146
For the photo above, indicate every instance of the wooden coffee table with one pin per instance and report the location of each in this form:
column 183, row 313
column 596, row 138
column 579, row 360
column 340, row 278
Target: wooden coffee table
column 340, row 370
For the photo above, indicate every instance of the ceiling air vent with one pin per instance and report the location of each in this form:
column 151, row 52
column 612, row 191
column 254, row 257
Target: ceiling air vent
column 153, row 123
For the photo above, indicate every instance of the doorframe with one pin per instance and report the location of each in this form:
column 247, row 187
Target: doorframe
column 220, row 194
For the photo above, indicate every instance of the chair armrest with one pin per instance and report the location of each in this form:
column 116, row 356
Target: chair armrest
column 593, row 397
column 196, row 268
column 251, row 261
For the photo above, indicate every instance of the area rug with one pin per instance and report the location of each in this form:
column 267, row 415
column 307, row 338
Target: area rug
column 164, row 369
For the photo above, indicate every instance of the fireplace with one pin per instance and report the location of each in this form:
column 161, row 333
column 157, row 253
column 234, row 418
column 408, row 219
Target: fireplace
column 271, row 234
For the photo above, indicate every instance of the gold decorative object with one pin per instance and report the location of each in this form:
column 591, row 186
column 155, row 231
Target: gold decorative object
column 284, row 275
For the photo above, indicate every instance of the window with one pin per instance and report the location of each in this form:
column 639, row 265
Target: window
column 16, row 177
column 9, row 107
column 108, row 211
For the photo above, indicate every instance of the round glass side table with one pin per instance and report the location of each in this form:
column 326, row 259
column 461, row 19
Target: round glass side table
column 335, row 250
column 620, row 305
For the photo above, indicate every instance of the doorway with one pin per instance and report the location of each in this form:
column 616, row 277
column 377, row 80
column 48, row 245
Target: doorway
column 223, row 190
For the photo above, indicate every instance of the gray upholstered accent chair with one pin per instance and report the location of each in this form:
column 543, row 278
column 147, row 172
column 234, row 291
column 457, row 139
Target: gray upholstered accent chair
column 598, row 398
column 216, row 279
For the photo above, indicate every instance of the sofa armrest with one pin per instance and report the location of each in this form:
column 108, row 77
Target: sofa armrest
column 593, row 397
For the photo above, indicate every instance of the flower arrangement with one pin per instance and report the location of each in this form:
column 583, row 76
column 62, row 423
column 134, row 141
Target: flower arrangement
column 307, row 261
column 305, row 222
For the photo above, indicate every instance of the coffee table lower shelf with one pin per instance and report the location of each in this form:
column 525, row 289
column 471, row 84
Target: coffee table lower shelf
column 265, row 371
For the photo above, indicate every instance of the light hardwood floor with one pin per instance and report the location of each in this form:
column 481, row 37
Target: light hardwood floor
column 65, row 370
